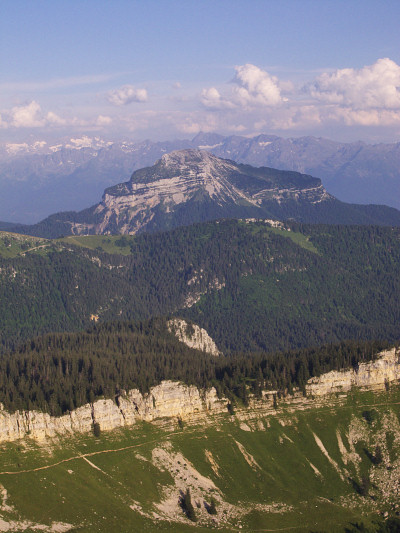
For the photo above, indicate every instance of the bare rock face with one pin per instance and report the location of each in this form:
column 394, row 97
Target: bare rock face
column 373, row 374
column 193, row 336
column 184, row 176
column 188, row 186
column 171, row 399
column 40, row 425
column 192, row 185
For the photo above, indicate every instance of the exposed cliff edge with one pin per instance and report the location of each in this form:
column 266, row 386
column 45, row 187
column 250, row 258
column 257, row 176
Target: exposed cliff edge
column 172, row 399
column 169, row 399
column 193, row 336
column 385, row 369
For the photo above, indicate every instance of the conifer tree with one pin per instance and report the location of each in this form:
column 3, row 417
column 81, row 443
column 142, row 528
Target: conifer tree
column 212, row 508
column 187, row 506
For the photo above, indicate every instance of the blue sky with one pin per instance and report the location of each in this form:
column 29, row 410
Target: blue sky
column 168, row 68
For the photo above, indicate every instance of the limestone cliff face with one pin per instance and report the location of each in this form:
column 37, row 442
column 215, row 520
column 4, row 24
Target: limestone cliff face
column 171, row 399
column 373, row 374
column 193, row 336
column 155, row 197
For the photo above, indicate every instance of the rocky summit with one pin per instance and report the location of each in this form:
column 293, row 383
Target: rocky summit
column 188, row 186
column 208, row 186
column 39, row 179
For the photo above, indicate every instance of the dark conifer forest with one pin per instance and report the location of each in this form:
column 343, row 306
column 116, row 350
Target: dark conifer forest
column 252, row 287
column 283, row 305
column 57, row 373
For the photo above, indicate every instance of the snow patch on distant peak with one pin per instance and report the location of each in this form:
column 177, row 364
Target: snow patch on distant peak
column 18, row 148
column 87, row 142
column 264, row 143
column 209, row 146
column 55, row 148
column 14, row 148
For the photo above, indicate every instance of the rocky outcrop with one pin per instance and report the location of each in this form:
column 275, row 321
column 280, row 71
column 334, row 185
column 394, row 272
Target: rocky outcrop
column 188, row 186
column 174, row 180
column 184, row 176
column 171, row 399
column 374, row 374
column 193, row 336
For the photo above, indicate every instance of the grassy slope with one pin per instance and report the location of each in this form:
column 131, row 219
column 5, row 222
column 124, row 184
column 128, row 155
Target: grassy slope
column 106, row 244
column 109, row 243
column 282, row 446
column 14, row 244
column 298, row 238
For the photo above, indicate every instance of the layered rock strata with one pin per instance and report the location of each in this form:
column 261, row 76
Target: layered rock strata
column 171, row 399
column 374, row 374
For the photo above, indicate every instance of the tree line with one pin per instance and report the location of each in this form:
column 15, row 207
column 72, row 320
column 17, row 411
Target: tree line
column 57, row 373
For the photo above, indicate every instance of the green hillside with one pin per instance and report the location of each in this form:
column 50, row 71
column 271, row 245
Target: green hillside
column 111, row 244
column 252, row 287
column 14, row 244
column 329, row 469
column 325, row 467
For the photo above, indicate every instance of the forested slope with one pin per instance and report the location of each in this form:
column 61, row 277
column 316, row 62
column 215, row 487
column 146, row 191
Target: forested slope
column 250, row 285
column 60, row 372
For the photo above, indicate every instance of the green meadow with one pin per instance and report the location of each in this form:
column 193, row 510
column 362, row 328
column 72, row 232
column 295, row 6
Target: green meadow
column 302, row 470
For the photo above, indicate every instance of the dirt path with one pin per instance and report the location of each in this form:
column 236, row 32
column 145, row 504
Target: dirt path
column 280, row 529
column 34, row 248
column 92, row 454
column 84, row 456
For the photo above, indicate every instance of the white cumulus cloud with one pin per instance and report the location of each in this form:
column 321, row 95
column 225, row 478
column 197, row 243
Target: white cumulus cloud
column 126, row 95
column 212, row 99
column 373, row 86
column 32, row 116
column 52, row 118
column 27, row 116
column 198, row 122
column 252, row 87
column 365, row 117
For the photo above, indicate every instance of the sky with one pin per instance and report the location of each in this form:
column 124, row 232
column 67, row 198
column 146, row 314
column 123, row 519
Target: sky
column 166, row 69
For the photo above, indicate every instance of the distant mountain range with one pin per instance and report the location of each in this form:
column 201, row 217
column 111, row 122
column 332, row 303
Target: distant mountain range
column 39, row 179
column 188, row 186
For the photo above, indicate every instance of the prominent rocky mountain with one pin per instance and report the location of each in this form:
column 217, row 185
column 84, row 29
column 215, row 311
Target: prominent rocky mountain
column 40, row 179
column 188, row 186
